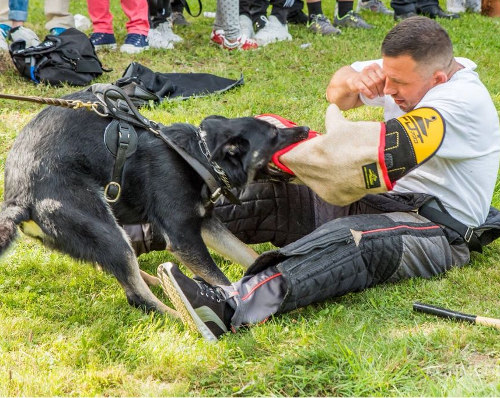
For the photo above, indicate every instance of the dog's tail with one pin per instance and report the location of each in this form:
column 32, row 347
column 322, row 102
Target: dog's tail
column 10, row 217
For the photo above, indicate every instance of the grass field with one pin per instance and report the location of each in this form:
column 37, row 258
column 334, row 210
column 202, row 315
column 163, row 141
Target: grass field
column 66, row 329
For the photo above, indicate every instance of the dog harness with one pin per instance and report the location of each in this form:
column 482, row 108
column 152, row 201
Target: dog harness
column 121, row 141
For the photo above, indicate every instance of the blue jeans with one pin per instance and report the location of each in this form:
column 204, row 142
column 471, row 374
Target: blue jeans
column 18, row 10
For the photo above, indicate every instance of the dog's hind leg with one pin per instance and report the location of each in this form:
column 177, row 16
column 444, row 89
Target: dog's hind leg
column 217, row 237
column 93, row 235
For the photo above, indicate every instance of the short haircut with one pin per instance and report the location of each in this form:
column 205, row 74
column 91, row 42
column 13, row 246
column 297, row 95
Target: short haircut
column 421, row 38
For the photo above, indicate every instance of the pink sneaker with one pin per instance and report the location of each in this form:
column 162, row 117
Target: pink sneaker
column 241, row 43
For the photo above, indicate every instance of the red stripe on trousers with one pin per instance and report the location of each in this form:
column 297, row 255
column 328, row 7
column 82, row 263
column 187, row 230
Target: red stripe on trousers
column 399, row 227
column 259, row 285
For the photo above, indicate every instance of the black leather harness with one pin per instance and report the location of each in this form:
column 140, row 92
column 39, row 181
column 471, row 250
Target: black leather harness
column 121, row 140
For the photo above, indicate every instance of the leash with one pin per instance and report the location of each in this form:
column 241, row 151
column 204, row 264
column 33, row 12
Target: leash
column 115, row 103
column 71, row 104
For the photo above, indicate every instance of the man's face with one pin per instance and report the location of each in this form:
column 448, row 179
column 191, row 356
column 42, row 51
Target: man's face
column 405, row 82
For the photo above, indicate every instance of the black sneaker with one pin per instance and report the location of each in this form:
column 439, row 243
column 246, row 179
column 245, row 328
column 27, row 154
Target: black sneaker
column 321, row 24
column 436, row 12
column 202, row 307
column 179, row 19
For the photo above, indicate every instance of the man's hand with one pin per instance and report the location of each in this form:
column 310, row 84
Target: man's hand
column 347, row 84
column 369, row 82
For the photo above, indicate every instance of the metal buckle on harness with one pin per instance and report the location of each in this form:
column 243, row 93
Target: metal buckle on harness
column 216, row 195
column 468, row 234
column 113, row 198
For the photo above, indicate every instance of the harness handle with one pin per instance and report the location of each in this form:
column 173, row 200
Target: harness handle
column 121, row 107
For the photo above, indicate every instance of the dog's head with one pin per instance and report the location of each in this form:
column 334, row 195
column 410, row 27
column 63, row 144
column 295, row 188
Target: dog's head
column 243, row 147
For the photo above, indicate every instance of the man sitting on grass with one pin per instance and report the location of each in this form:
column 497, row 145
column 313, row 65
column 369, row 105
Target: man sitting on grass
column 422, row 227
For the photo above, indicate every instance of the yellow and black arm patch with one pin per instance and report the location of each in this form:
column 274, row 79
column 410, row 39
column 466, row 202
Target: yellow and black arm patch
column 411, row 140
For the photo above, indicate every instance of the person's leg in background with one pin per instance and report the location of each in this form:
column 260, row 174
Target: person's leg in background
column 160, row 33
column 258, row 13
column 226, row 31
column 274, row 28
column 245, row 18
column 58, row 16
column 137, row 26
column 403, row 9
column 177, row 17
column 102, row 24
column 137, row 14
column 296, row 13
column 13, row 14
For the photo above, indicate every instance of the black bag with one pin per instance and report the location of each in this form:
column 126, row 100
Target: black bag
column 67, row 58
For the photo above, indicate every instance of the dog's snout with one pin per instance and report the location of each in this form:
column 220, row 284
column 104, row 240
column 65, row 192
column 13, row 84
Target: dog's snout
column 305, row 131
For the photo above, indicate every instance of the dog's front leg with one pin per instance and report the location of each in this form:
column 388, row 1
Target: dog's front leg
column 217, row 237
column 185, row 242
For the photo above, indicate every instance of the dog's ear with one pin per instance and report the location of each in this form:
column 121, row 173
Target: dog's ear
column 213, row 117
column 232, row 147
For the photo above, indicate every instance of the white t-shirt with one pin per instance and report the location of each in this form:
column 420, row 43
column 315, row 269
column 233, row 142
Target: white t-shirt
column 464, row 170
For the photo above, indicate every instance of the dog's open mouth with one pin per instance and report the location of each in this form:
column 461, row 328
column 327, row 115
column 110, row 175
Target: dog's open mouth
column 278, row 174
column 274, row 173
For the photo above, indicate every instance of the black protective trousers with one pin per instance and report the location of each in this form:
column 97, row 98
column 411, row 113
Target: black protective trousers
column 348, row 254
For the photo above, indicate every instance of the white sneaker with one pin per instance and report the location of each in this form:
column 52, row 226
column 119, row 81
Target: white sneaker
column 156, row 40
column 246, row 27
column 167, row 32
column 272, row 32
column 22, row 33
column 82, row 23
column 4, row 46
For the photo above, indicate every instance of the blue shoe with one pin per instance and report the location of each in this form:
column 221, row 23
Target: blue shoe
column 57, row 31
column 4, row 30
column 103, row 40
column 135, row 43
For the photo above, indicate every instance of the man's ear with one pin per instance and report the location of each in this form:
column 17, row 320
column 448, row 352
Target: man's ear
column 439, row 77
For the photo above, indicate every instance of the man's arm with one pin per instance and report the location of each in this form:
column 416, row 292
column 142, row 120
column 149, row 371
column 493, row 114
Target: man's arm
column 346, row 85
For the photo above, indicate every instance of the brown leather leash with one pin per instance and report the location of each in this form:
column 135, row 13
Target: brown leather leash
column 72, row 104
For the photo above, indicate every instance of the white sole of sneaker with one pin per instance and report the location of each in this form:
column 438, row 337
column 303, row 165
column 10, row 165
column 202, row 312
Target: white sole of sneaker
column 130, row 49
column 105, row 47
column 181, row 303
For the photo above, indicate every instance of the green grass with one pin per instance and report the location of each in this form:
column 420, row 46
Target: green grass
column 66, row 328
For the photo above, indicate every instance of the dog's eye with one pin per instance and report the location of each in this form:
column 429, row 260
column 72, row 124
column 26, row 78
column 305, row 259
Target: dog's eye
column 274, row 133
column 232, row 149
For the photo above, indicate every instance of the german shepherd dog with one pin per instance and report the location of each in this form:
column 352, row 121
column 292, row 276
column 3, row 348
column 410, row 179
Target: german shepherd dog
column 57, row 169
